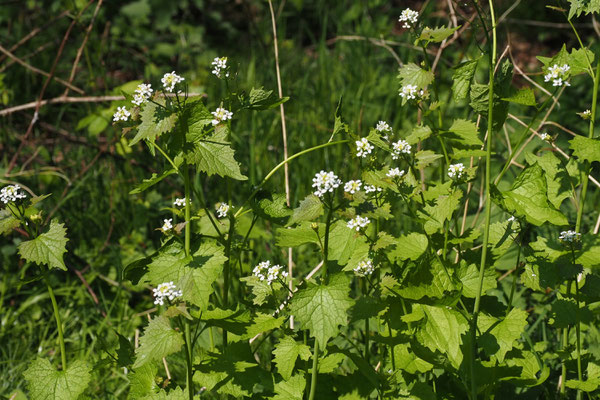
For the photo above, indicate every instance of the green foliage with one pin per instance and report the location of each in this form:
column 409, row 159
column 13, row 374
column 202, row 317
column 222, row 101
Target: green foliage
column 159, row 340
column 45, row 382
column 285, row 354
column 322, row 308
column 412, row 74
column 48, row 248
column 585, row 148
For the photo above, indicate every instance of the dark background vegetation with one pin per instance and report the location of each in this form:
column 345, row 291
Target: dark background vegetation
column 74, row 152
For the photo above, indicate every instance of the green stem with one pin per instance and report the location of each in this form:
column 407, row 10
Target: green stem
column 578, row 336
column 315, row 366
column 188, row 192
column 226, row 273
column 586, row 167
column 326, row 244
column 61, row 339
column 189, row 361
column 514, row 282
column 488, row 205
column 281, row 164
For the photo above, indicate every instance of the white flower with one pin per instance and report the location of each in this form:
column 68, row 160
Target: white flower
column 363, row 147
column 121, row 114
column 569, row 236
column 165, row 290
column 170, row 79
column 142, row 94
column 167, row 225
column 546, row 137
column 219, row 66
column 358, row 222
column 395, row 173
column 352, row 186
column 222, row 209
column 456, row 170
column 364, row 268
column 382, row 127
column 586, row 114
column 325, row 182
column 11, row 193
column 400, row 147
column 221, row 115
column 265, row 271
column 409, row 17
column 180, row 202
column 511, row 219
column 410, row 92
column 372, row 188
column 557, row 74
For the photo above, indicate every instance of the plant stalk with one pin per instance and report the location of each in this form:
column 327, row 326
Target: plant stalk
column 488, row 204
column 315, row 366
column 187, row 244
column 61, row 339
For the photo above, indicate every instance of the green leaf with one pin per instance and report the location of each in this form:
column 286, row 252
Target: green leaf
column 461, row 79
column 585, row 148
column 321, row 308
column 153, row 180
column 583, row 6
column 577, row 59
column 559, row 180
column 44, row 382
column 409, row 247
column 418, row 134
column 263, row 100
column 525, row 97
column 442, row 332
column 408, row 361
column 442, row 211
column 142, row 381
column 155, row 121
column 499, row 336
column 346, row 243
column 159, row 341
column 479, row 95
column 310, row 209
column 8, row 221
column 213, row 155
column 528, row 197
column 425, row 157
column 593, row 379
column 412, row 74
column 48, row 248
column 469, row 276
column 429, row 283
column 290, row 389
column 435, row 35
column 286, row 352
column 193, row 275
column 466, row 131
column 175, row 394
column 301, row 234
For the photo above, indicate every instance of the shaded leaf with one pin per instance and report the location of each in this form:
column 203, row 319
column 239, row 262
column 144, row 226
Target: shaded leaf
column 48, row 248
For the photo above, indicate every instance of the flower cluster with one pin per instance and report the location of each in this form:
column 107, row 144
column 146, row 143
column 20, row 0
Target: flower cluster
column 558, row 75
column 411, row 92
column 170, row 79
column 352, row 186
column 456, row 170
column 221, row 115
column 395, row 173
column 165, row 291
column 363, row 148
column 121, row 114
column 364, row 268
column 372, row 188
column 400, row 147
column 587, row 114
column 409, row 18
column 167, row 225
column 142, row 94
column 325, row 182
column 546, row 137
column 11, row 193
column 383, row 127
column 569, row 236
column 265, row 271
column 220, row 67
column 180, row 202
column 358, row 222
column 222, row 209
